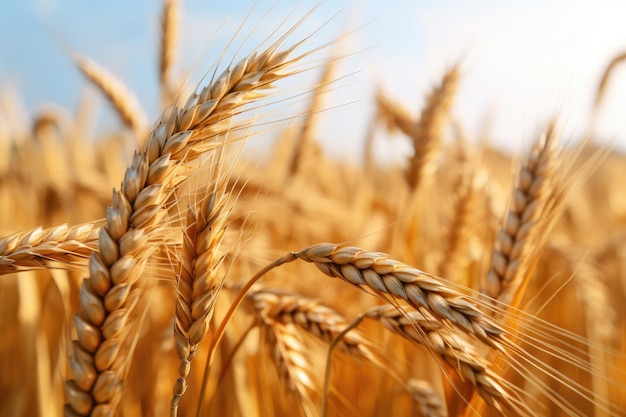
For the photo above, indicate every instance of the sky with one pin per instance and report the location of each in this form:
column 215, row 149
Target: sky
column 521, row 62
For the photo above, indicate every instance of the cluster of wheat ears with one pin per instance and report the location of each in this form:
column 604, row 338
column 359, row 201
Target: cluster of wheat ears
column 207, row 290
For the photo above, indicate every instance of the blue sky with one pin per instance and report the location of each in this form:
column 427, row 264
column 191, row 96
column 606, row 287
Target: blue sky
column 522, row 62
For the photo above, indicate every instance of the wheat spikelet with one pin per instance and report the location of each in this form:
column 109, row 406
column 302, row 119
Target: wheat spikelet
column 121, row 98
column 197, row 283
column 423, row 393
column 183, row 135
column 531, row 199
column 36, row 248
column 426, row 133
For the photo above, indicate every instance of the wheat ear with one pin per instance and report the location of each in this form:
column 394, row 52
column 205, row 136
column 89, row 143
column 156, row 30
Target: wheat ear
column 36, row 248
column 184, row 134
column 452, row 348
column 169, row 35
column 121, row 98
column 459, row 230
column 430, row 403
column 198, row 284
column 516, row 238
column 289, row 354
column 394, row 115
column 323, row 322
column 310, row 315
column 426, row 133
column 388, row 278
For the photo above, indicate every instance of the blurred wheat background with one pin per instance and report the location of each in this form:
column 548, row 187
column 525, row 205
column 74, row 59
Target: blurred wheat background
column 491, row 277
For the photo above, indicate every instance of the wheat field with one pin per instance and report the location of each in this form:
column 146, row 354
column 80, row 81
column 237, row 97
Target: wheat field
column 214, row 281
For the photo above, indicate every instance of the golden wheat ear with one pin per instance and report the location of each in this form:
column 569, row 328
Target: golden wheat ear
column 531, row 201
column 198, row 283
column 393, row 114
column 170, row 20
column 124, row 102
column 427, row 131
column 181, row 136
column 38, row 248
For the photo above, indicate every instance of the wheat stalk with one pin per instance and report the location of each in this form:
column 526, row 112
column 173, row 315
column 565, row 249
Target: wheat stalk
column 604, row 80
